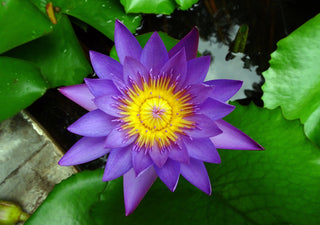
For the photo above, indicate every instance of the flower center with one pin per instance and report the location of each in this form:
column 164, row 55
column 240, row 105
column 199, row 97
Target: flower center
column 156, row 112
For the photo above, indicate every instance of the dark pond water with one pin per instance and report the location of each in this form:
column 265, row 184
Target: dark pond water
column 218, row 22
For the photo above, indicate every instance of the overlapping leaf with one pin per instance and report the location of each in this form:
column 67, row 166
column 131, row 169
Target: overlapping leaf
column 70, row 201
column 100, row 14
column 156, row 6
column 275, row 186
column 21, row 84
column 58, row 55
column 146, row 6
column 53, row 48
column 20, row 22
column 293, row 79
column 185, row 4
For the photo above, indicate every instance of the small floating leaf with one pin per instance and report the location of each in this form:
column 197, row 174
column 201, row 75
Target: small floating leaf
column 239, row 43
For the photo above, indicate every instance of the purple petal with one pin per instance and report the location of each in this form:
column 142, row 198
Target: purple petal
column 100, row 87
column 198, row 69
column 169, row 174
column 202, row 149
column 154, row 54
column 215, row 109
column 224, row 89
column 118, row 163
column 93, row 124
column 205, row 127
column 134, row 70
column 176, row 66
column 141, row 161
column 159, row 157
column 118, row 138
column 189, row 42
column 195, row 172
column 85, row 150
column 135, row 188
column 126, row 44
column 108, row 104
column 200, row 92
column 233, row 138
column 119, row 84
column 80, row 94
column 179, row 153
column 104, row 66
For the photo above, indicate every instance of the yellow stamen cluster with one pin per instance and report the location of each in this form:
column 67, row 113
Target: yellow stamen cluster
column 156, row 112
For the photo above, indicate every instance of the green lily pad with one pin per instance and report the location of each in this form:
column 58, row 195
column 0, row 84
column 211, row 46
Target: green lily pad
column 20, row 22
column 186, row 4
column 21, row 84
column 147, row 6
column 100, row 14
column 156, row 6
column 58, row 55
column 277, row 186
column 70, row 200
column 293, row 79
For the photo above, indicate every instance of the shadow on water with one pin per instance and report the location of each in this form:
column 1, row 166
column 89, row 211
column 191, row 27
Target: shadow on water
column 268, row 21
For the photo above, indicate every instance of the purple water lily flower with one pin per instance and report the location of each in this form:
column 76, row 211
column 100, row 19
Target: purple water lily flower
column 154, row 115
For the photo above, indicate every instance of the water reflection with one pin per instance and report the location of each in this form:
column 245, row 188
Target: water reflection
column 234, row 68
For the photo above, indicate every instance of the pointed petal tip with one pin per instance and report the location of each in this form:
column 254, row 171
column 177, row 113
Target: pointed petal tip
column 209, row 191
column 125, row 42
column 169, row 174
column 118, row 25
column 233, row 138
column 206, row 189
column 135, row 188
column 65, row 162
column 155, row 34
column 79, row 94
column 195, row 29
column 92, row 53
column 194, row 33
column 224, row 89
column 129, row 211
column 196, row 173
column 190, row 42
column 238, row 84
column 118, row 21
column 173, row 188
column 62, row 90
column 260, row 147
column 61, row 162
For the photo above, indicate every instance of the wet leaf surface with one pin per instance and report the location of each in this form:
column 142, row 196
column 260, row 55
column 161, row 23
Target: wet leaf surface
column 21, row 84
column 14, row 28
column 59, row 56
column 293, row 79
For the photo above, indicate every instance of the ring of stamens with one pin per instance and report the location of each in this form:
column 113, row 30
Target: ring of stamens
column 156, row 112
